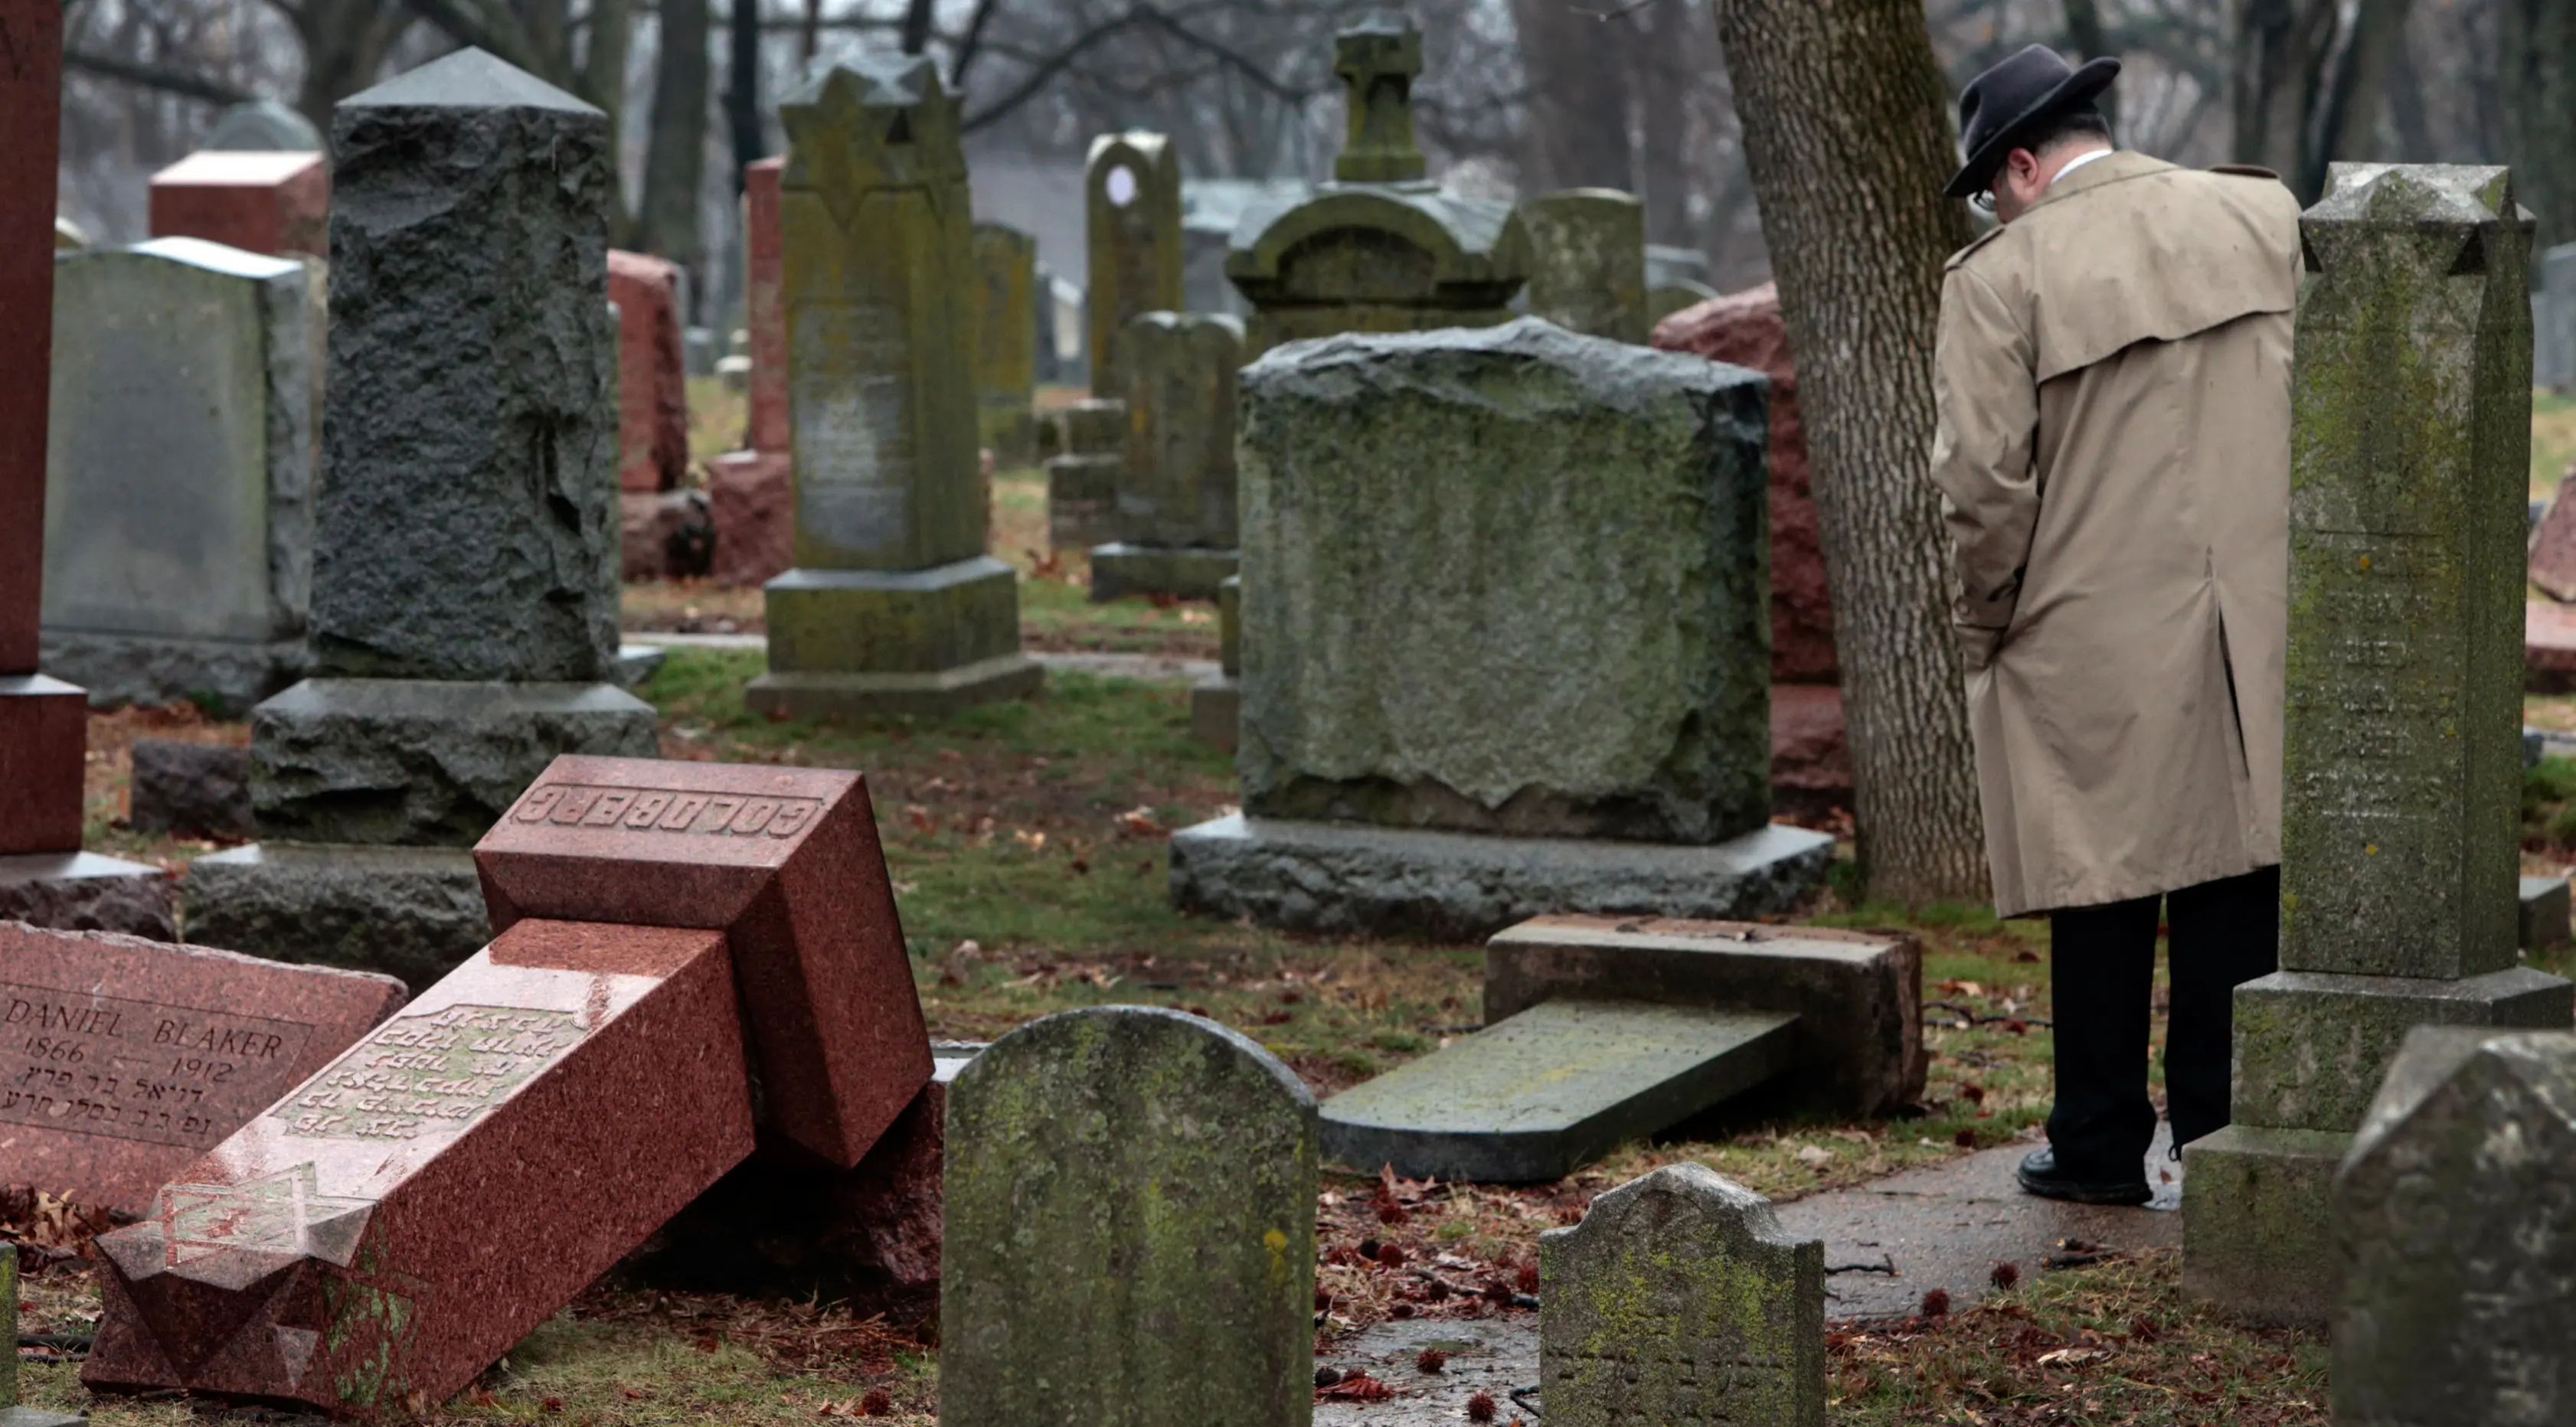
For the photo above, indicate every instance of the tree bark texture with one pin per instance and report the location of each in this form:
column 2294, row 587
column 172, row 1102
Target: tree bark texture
column 675, row 154
column 1847, row 129
column 2536, row 45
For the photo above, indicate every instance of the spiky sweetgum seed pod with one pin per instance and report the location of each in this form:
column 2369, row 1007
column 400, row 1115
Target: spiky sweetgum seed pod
column 1936, row 1303
column 877, row 1403
column 1392, row 1255
column 2006, row 1275
column 1527, row 1278
column 1431, row 1360
column 1480, row 1408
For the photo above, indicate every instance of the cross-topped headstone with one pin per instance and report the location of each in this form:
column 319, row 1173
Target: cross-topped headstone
column 1378, row 59
column 2402, row 744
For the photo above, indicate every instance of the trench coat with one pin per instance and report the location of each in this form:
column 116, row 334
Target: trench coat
column 2113, row 457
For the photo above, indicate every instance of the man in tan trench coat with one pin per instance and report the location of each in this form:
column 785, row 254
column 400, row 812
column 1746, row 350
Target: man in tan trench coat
column 2113, row 455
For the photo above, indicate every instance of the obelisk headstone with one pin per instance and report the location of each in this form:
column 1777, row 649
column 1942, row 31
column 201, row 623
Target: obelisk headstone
column 1175, row 509
column 1130, row 1236
column 2402, row 763
column 893, row 606
column 44, row 723
column 1132, row 191
column 1679, row 1298
column 464, row 619
column 1588, row 261
column 1006, row 343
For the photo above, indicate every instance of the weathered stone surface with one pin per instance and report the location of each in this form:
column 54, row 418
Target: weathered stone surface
column 191, row 789
column 418, row 762
column 1679, row 1299
column 1588, row 261
column 83, row 891
column 469, row 526
column 365, row 1246
column 1810, row 750
column 1006, row 342
column 1619, row 613
column 1857, row 996
column 2545, row 913
column 12, row 1415
column 1082, row 483
column 264, row 124
column 652, row 387
column 409, row 912
column 1539, row 1093
column 1379, row 249
column 277, row 202
column 1746, row 330
column 1188, row 572
column 179, row 494
column 1340, row 878
column 1132, row 194
column 1177, row 484
column 751, row 502
column 122, row 1059
column 1130, row 1228
column 2458, row 1236
column 2402, row 763
column 852, row 642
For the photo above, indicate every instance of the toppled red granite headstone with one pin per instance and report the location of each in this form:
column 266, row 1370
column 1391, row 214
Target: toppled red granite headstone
column 785, row 862
column 1745, row 329
column 751, row 502
column 378, row 1237
column 652, row 383
column 123, row 1059
column 273, row 203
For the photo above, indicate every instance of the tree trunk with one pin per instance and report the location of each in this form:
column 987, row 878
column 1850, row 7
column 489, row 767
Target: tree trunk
column 2347, row 123
column 742, row 89
column 2084, row 36
column 2536, row 47
column 603, row 80
column 675, row 158
column 1847, row 129
column 1578, row 86
column 2281, row 49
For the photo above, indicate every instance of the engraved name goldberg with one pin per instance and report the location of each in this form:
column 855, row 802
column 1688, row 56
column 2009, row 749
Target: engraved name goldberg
column 432, row 1074
column 665, row 810
column 137, row 1070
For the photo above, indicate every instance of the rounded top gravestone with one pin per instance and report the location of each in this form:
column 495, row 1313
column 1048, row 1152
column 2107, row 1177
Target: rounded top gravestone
column 1130, row 1205
column 1133, row 238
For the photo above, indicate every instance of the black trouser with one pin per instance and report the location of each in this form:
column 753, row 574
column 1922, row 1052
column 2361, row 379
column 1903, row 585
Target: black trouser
column 2103, row 961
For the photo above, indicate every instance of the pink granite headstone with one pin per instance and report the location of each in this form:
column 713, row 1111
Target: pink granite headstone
column 652, row 382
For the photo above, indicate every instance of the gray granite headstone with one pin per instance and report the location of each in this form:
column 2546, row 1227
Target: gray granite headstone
column 1130, row 1235
column 266, row 126
column 1680, row 1300
column 179, row 472
column 2456, row 1226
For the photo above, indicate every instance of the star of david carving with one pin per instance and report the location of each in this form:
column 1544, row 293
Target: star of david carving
column 282, row 1212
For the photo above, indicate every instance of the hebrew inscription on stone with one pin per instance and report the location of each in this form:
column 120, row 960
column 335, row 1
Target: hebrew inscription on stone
column 137, row 1070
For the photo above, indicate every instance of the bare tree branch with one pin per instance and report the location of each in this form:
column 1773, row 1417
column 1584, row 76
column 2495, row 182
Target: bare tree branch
column 1136, row 16
column 484, row 26
column 968, row 47
column 152, row 76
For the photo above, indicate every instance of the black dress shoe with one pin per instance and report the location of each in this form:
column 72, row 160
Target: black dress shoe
column 2040, row 1176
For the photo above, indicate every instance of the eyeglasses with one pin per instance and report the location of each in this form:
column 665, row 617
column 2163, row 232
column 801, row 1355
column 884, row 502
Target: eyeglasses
column 1983, row 200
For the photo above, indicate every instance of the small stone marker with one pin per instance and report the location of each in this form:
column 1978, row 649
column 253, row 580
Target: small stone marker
column 1588, row 261
column 1082, row 484
column 2401, row 761
column 1132, row 192
column 785, row 862
column 1130, row 1228
column 652, row 391
column 2457, row 1236
column 1537, row 1095
column 122, row 1059
column 1174, row 512
column 11, row 1414
column 2544, row 913
column 1216, row 702
column 1006, row 342
column 1680, row 1300
column 379, row 1236
column 179, row 497
column 277, row 203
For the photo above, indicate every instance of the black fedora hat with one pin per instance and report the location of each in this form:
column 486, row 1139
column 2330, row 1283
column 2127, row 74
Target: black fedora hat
column 2010, row 100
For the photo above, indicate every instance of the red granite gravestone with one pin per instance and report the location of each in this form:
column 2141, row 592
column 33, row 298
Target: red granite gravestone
column 379, row 1236
column 764, row 306
column 273, row 203
column 653, row 403
column 751, row 501
column 785, row 862
column 122, row 1059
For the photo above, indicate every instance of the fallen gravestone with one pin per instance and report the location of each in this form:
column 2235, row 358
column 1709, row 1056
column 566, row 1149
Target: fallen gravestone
column 1680, row 1300
column 1599, row 1030
column 2457, row 1236
column 341, row 1250
column 1130, row 1228
column 123, row 1059
column 11, row 1414
column 2401, row 764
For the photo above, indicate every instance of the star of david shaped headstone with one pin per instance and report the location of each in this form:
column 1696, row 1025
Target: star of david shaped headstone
column 1377, row 60
column 877, row 121
column 282, row 1212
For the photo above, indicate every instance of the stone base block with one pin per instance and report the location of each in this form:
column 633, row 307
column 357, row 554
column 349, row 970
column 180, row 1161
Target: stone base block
column 2258, row 1224
column 1188, row 571
column 420, row 762
column 1216, row 711
column 44, row 735
column 1352, row 877
column 84, row 892
column 2544, row 913
column 638, row 663
column 1012, row 676
column 892, row 621
column 2312, row 1046
column 411, row 912
column 222, row 676
column 190, row 789
column 1082, row 500
column 751, row 501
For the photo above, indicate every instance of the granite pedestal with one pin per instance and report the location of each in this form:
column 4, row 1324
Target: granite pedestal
column 855, row 643
column 1189, row 572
